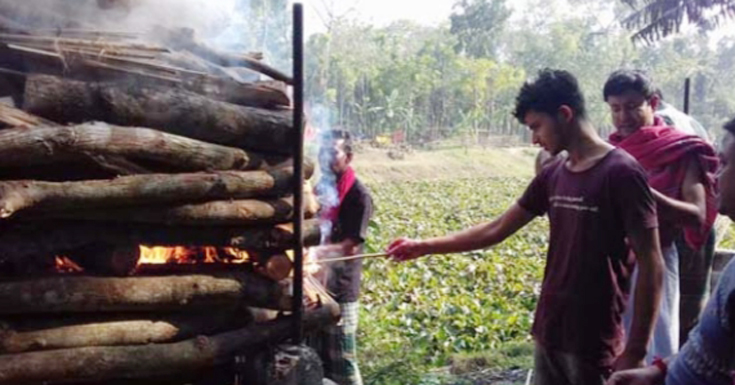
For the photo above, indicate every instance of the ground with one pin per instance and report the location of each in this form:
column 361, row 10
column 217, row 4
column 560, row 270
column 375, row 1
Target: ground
column 459, row 319
column 375, row 166
column 462, row 319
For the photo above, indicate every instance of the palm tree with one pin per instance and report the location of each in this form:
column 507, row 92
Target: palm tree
column 655, row 19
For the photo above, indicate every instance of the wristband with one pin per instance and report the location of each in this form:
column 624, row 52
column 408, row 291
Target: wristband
column 661, row 365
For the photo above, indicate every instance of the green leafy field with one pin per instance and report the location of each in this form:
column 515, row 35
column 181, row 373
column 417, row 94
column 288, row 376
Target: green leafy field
column 417, row 316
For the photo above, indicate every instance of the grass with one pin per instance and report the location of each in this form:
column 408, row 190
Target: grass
column 513, row 355
column 439, row 319
column 375, row 167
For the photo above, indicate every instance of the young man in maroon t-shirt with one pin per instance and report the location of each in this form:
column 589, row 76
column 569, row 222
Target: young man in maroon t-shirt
column 595, row 199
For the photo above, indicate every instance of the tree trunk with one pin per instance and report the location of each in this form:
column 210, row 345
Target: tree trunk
column 31, row 146
column 167, row 109
column 51, row 238
column 217, row 213
column 25, row 333
column 154, row 360
column 137, row 190
column 83, row 294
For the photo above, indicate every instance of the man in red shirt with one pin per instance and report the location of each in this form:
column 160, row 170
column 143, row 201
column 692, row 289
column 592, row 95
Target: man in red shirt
column 680, row 170
column 595, row 199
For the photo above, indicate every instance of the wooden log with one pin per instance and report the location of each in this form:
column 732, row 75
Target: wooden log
column 314, row 291
column 61, row 164
column 95, row 44
column 51, row 144
column 15, row 117
column 89, row 168
column 93, row 34
column 163, row 70
column 244, row 94
column 184, row 39
column 170, row 110
column 78, row 155
column 55, row 237
column 276, row 266
column 166, row 269
column 217, row 213
column 187, row 293
column 105, row 259
column 134, row 68
column 12, row 84
column 34, row 333
column 154, row 360
column 132, row 190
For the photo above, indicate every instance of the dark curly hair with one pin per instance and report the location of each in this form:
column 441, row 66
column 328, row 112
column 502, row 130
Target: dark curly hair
column 550, row 90
column 622, row 81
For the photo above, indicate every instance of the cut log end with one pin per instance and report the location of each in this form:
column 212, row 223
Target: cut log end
column 105, row 259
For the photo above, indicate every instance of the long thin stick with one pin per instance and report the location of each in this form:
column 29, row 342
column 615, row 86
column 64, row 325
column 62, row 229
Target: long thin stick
column 349, row 258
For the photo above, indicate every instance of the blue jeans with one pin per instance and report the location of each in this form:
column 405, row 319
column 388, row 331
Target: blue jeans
column 665, row 341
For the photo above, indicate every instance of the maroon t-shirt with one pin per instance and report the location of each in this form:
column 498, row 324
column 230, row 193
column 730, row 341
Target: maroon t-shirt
column 587, row 276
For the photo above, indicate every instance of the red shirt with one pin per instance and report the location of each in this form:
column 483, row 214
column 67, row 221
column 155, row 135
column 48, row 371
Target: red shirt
column 587, row 275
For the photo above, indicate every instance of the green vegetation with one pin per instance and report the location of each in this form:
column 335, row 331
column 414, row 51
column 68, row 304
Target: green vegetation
column 376, row 167
column 417, row 316
column 460, row 78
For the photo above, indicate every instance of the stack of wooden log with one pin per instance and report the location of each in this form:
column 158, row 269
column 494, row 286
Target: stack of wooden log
column 111, row 144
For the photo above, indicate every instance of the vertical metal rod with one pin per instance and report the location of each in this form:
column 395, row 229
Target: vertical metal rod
column 687, row 87
column 298, row 159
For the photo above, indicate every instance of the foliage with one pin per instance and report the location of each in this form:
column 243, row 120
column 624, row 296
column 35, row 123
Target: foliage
column 654, row 19
column 478, row 25
column 417, row 314
column 512, row 355
column 411, row 78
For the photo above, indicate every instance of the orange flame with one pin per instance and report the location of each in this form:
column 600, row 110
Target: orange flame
column 66, row 265
column 182, row 254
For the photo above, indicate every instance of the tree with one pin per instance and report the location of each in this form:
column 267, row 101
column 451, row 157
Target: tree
column 478, row 25
column 654, row 19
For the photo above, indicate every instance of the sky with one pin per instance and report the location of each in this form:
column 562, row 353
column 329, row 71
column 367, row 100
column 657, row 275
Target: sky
column 378, row 12
column 427, row 12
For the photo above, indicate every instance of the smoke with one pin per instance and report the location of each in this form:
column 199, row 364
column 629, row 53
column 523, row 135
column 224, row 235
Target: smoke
column 208, row 18
column 319, row 117
column 235, row 25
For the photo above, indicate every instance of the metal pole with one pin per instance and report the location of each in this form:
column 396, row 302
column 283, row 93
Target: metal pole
column 298, row 159
column 687, row 86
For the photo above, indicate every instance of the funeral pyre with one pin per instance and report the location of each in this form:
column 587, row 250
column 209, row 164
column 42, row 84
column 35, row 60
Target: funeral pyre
column 145, row 205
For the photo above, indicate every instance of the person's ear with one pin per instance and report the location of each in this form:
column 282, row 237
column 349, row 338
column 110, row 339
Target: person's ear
column 348, row 157
column 654, row 102
column 566, row 113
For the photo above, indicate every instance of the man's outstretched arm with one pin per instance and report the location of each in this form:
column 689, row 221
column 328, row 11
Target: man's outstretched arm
column 477, row 237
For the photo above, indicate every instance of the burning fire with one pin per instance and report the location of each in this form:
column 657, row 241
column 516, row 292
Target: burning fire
column 276, row 266
column 182, row 254
column 65, row 265
column 158, row 255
